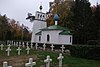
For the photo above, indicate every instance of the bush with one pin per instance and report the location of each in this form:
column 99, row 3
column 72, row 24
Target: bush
column 89, row 52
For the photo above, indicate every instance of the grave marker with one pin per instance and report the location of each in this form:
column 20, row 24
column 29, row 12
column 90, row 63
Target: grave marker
column 5, row 64
column 60, row 59
column 30, row 63
column 8, row 51
column 27, row 44
column 44, row 46
column 9, row 45
column 19, row 50
column 23, row 44
column 1, row 46
column 62, row 48
column 52, row 47
column 36, row 45
column 31, row 45
column 28, row 49
column 47, row 61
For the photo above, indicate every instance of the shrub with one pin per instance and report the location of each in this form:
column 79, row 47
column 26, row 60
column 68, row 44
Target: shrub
column 89, row 52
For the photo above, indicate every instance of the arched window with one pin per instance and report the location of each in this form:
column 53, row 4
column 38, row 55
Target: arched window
column 39, row 38
column 70, row 39
column 38, row 15
column 48, row 38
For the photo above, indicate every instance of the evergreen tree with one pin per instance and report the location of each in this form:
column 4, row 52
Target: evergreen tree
column 80, row 19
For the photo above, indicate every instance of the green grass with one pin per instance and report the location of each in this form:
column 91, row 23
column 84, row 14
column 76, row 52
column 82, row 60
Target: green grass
column 68, row 61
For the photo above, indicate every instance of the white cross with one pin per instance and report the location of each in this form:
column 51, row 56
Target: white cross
column 16, row 43
column 47, row 61
column 7, row 41
column 60, row 59
column 27, row 44
column 1, row 46
column 30, row 63
column 19, row 43
column 8, row 51
column 9, row 45
column 23, row 44
column 52, row 46
column 19, row 50
column 44, row 46
column 12, row 42
column 62, row 48
column 5, row 64
column 31, row 45
column 36, row 45
column 28, row 49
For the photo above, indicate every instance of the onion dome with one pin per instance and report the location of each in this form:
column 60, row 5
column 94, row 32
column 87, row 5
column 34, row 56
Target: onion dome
column 40, row 7
column 56, row 17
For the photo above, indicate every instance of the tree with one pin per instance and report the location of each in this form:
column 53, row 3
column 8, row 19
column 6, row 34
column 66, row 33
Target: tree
column 62, row 7
column 81, row 21
column 4, row 27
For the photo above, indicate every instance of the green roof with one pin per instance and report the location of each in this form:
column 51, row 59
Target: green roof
column 65, row 33
column 39, row 33
column 54, row 27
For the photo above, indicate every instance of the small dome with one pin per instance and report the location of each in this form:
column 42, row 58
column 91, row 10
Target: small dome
column 56, row 17
column 40, row 7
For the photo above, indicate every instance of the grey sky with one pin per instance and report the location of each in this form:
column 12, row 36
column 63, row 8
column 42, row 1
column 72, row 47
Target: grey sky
column 18, row 9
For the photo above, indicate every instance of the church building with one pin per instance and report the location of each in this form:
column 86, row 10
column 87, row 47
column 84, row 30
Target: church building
column 54, row 34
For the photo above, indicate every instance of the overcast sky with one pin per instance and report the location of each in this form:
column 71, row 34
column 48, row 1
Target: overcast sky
column 18, row 9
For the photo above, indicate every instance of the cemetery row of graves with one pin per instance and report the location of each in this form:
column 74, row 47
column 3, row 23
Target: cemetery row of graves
column 19, row 54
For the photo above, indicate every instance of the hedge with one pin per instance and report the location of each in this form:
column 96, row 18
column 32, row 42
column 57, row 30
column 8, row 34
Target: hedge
column 89, row 52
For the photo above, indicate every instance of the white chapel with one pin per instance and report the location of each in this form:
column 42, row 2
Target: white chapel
column 54, row 34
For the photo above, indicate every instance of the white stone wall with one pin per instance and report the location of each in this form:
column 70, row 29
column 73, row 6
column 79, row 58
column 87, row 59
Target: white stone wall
column 65, row 39
column 37, row 25
column 54, row 35
column 55, row 38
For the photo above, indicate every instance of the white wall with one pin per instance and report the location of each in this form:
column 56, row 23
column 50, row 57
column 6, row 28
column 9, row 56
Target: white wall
column 65, row 39
column 53, row 36
column 37, row 25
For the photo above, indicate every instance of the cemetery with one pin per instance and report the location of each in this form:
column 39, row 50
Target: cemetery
column 39, row 56
column 56, row 40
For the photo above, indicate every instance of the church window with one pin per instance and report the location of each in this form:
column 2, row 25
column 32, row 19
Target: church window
column 43, row 16
column 39, row 38
column 38, row 15
column 70, row 39
column 48, row 38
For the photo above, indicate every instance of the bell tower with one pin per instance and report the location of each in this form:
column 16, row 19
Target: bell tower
column 38, row 23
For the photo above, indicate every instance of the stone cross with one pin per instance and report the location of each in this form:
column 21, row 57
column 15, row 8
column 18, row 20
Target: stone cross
column 1, row 46
column 52, row 47
column 19, row 50
column 27, row 44
column 7, row 41
column 62, row 48
column 47, row 61
column 8, row 51
column 44, row 46
column 31, row 45
column 28, row 49
column 23, row 44
column 30, row 63
column 19, row 43
column 16, row 43
column 5, row 64
column 9, row 45
column 60, row 59
column 36, row 45
column 12, row 42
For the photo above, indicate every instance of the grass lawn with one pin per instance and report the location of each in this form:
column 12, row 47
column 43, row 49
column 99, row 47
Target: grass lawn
column 39, row 56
